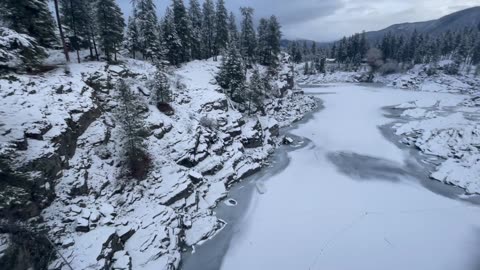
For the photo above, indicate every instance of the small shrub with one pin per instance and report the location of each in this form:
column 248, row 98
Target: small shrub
column 452, row 69
column 139, row 164
column 390, row 67
column 208, row 123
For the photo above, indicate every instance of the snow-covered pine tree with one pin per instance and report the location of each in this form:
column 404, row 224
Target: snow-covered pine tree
column 208, row 28
column 248, row 37
column 183, row 28
column 111, row 25
column 263, row 46
column 221, row 28
column 129, row 116
column 161, row 92
column 92, row 28
column 31, row 17
column 274, row 38
column 195, row 13
column 131, row 38
column 147, row 23
column 231, row 75
column 173, row 44
column 306, row 50
column 314, row 49
column 232, row 29
column 306, row 69
column 256, row 92
column 18, row 51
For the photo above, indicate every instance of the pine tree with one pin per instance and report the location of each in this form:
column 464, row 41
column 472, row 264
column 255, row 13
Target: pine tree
column 31, row 17
column 195, row 14
column 147, row 23
column 208, row 31
column 129, row 116
column 263, row 46
column 232, row 29
column 172, row 41
column 111, row 25
column 248, row 38
column 92, row 27
column 161, row 86
column 131, row 39
column 306, row 50
column 306, row 69
column 221, row 27
column 274, row 39
column 314, row 49
column 183, row 28
column 231, row 75
column 256, row 92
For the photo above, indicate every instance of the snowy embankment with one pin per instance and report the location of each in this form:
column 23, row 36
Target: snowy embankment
column 421, row 77
column 60, row 127
column 451, row 133
column 447, row 131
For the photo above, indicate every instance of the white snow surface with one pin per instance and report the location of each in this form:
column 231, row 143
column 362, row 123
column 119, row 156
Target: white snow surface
column 316, row 217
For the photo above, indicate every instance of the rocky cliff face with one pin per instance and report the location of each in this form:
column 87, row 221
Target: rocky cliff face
column 61, row 131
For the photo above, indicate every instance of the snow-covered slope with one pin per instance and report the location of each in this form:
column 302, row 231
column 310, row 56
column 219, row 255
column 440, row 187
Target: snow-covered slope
column 60, row 127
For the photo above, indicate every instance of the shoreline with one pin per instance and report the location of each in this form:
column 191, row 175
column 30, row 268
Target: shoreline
column 210, row 254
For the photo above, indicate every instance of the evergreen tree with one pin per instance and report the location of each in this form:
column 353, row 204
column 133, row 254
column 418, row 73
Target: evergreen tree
column 208, row 28
column 306, row 69
column 131, row 40
column 263, row 46
column 146, row 20
column 161, row 86
column 195, row 14
column 232, row 28
column 248, row 38
column 256, row 92
column 111, row 25
column 92, row 27
column 306, row 50
column 231, row 75
column 221, row 27
column 183, row 28
column 274, row 39
column 129, row 116
column 314, row 49
column 31, row 17
column 172, row 41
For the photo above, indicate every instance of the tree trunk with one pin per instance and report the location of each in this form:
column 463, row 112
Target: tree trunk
column 94, row 44
column 62, row 37
column 75, row 31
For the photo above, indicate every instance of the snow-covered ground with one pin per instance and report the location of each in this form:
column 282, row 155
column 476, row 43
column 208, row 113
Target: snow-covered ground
column 416, row 78
column 351, row 199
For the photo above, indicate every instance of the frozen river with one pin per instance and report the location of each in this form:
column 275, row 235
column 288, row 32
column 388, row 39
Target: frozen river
column 350, row 199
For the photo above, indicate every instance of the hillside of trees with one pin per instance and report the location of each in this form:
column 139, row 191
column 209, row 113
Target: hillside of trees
column 394, row 52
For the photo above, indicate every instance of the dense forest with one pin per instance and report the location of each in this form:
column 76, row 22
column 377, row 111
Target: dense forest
column 393, row 52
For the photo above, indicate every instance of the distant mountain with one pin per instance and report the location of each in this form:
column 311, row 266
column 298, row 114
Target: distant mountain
column 455, row 21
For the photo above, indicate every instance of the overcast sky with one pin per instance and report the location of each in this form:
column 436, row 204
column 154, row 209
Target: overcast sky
column 326, row 20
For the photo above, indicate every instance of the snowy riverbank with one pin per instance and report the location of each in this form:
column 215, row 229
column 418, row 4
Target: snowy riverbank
column 61, row 127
